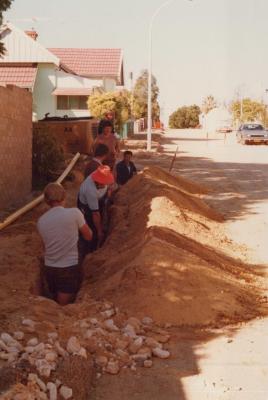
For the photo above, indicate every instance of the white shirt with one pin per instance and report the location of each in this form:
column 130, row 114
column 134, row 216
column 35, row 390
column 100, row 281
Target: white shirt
column 59, row 229
column 89, row 194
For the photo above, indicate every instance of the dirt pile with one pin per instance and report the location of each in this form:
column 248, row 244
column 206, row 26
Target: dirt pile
column 165, row 257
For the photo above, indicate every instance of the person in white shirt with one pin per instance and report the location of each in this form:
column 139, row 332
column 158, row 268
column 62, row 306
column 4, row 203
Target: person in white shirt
column 92, row 192
column 59, row 229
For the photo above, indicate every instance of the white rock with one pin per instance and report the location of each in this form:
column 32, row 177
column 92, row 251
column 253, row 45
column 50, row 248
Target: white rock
column 38, row 381
column 82, row 352
column 52, row 388
column 148, row 363
column 147, row 321
column 28, row 322
column 66, row 392
column 53, row 335
column 51, row 356
column 100, row 331
column 40, row 347
column 160, row 353
column 29, row 349
column 112, row 367
column 139, row 357
column 101, row 361
column 110, row 325
column 32, row 342
column 18, row 335
column 43, row 367
column 7, row 339
column 93, row 321
column 108, row 313
column 57, row 383
column 13, row 350
column 136, row 345
column 73, row 345
column 130, row 331
column 3, row 346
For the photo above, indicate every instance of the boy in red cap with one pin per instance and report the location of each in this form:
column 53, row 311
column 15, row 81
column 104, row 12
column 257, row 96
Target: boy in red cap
column 91, row 194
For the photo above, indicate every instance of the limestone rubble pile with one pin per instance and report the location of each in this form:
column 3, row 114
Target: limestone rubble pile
column 113, row 343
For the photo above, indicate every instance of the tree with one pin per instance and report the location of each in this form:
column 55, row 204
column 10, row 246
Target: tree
column 208, row 104
column 185, row 117
column 140, row 97
column 4, row 5
column 117, row 102
column 251, row 110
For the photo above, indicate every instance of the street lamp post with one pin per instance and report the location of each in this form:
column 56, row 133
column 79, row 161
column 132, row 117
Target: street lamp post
column 149, row 103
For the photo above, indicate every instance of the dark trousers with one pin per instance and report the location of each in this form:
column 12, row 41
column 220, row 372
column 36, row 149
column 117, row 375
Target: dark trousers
column 85, row 246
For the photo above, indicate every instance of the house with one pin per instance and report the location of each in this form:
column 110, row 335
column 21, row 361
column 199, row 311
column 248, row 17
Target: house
column 60, row 79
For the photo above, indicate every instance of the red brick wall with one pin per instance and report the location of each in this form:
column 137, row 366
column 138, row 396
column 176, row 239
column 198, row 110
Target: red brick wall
column 15, row 145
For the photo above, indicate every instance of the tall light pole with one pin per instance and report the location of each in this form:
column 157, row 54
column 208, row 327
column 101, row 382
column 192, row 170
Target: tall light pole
column 149, row 103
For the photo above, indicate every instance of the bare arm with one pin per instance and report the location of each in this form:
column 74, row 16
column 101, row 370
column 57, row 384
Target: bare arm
column 97, row 221
column 86, row 232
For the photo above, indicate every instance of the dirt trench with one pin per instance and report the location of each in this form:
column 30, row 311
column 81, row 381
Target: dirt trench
column 164, row 258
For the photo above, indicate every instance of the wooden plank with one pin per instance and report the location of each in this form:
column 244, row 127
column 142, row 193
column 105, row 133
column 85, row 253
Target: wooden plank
column 14, row 216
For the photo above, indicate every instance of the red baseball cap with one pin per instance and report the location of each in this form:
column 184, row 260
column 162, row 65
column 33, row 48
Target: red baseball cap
column 103, row 175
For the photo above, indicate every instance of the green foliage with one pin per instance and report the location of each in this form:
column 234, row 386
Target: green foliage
column 117, row 102
column 208, row 104
column 4, row 5
column 251, row 111
column 185, row 117
column 47, row 157
column 140, row 97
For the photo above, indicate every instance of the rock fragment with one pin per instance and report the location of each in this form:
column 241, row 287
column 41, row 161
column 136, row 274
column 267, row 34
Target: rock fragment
column 148, row 363
column 73, row 345
column 112, row 367
column 110, row 325
column 66, row 392
column 52, row 388
column 160, row 353
column 18, row 335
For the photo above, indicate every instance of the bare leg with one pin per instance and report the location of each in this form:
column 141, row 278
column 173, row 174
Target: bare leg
column 64, row 298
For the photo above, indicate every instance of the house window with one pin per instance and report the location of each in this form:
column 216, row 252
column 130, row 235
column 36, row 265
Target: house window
column 72, row 102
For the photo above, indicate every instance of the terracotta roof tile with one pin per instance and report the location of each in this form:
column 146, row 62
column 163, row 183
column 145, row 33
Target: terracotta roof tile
column 91, row 62
column 19, row 76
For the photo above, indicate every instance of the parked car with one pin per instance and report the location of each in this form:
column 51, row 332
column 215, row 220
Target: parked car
column 252, row 133
column 225, row 129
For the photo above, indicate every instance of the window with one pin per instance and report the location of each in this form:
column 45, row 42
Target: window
column 72, row 102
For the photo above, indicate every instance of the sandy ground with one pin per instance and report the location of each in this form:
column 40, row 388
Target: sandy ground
column 232, row 364
column 224, row 364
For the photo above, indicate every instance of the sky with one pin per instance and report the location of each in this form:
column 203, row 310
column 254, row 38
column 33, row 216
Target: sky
column 200, row 47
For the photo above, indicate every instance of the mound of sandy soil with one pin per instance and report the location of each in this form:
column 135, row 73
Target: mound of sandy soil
column 165, row 257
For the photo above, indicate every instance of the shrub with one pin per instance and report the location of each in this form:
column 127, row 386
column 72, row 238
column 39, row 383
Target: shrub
column 47, row 157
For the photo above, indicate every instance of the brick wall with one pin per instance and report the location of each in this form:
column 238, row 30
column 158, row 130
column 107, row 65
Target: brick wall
column 15, row 145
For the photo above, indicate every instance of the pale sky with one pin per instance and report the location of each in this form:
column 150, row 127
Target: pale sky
column 199, row 48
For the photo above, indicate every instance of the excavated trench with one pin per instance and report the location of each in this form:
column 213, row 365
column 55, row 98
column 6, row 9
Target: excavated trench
column 166, row 264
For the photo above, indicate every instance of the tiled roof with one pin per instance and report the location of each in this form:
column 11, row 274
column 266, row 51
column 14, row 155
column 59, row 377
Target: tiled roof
column 20, row 76
column 91, row 62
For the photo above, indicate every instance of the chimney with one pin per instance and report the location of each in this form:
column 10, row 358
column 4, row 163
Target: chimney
column 33, row 34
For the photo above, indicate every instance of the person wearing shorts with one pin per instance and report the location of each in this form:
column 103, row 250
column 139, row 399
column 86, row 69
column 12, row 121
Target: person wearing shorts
column 59, row 229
